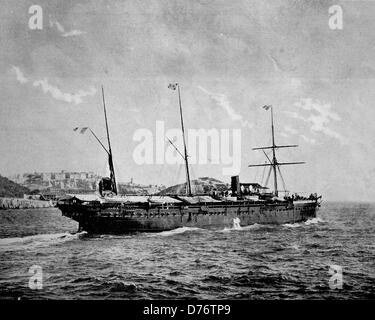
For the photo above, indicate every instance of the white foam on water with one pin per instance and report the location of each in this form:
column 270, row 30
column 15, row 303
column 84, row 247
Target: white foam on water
column 308, row 222
column 236, row 224
column 314, row 221
column 253, row 226
column 38, row 240
column 295, row 247
column 292, row 225
column 237, row 227
column 177, row 231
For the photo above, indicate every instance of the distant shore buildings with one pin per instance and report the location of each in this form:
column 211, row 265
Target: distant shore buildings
column 75, row 182
column 57, row 180
column 135, row 188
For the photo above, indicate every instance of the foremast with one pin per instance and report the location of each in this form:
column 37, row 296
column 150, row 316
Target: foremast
column 110, row 157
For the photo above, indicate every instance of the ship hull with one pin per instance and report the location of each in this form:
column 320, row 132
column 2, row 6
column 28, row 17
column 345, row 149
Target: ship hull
column 120, row 219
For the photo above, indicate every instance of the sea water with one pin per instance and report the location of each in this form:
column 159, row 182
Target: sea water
column 291, row 261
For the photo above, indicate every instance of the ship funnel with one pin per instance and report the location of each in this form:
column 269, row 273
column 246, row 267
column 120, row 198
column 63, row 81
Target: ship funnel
column 235, row 185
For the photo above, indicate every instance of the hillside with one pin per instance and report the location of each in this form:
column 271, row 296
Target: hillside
column 9, row 188
column 200, row 185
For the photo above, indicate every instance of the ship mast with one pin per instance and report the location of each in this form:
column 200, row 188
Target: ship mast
column 274, row 163
column 188, row 185
column 110, row 159
column 274, row 160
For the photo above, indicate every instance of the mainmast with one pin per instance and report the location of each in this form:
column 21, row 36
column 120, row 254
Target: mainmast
column 274, row 163
column 274, row 160
column 188, row 185
column 110, row 158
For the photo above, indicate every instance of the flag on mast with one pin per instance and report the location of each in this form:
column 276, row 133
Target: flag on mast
column 266, row 107
column 172, row 86
column 80, row 130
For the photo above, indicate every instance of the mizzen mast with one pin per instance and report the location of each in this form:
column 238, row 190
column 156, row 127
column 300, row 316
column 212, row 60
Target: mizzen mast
column 274, row 163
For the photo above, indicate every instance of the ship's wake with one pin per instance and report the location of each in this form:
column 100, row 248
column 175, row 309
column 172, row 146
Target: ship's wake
column 29, row 242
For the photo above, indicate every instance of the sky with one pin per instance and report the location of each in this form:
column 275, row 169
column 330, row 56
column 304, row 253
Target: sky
column 230, row 58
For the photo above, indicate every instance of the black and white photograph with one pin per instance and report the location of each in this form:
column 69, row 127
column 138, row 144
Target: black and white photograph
column 193, row 150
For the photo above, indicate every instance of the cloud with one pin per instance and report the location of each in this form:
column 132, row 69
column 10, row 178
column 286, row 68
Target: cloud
column 295, row 83
column 64, row 33
column 20, row 77
column 289, row 129
column 320, row 117
column 324, row 110
column 73, row 33
column 223, row 102
column 134, row 109
column 54, row 91
column 294, row 115
column 309, row 140
column 283, row 134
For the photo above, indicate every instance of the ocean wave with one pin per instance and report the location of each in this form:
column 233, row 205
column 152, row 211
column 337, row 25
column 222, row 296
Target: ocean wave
column 121, row 286
column 254, row 226
column 308, row 222
column 178, row 231
column 314, row 221
column 292, row 225
column 38, row 240
column 295, row 247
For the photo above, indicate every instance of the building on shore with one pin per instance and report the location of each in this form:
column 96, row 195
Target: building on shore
column 56, row 181
column 18, row 203
column 54, row 184
column 135, row 188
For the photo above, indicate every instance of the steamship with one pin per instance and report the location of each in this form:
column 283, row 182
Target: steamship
column 241, row 205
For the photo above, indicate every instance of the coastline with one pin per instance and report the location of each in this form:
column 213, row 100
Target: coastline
column 19, row 203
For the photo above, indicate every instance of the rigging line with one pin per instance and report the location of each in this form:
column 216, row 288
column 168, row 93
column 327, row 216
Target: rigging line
column 256, row 174
column 264, row 171
column 175, row 148
column 281, row 176
column 105, row 149
column 189, row 180
column 116, row 166
column 192, row 182
column 267, row 157
column 268, row 176
column 163, row 166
